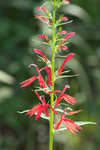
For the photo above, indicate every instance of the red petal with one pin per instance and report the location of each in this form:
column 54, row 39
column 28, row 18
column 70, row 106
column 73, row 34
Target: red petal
column 71, row 126
column 60, row 96
column 41, row 80
column 69, row 35
column 63, row 47
column 41, row 8
column 68, row 57
column 37, row 94
column 48, row 70
column 42, row 36
column 45, row 106
column 57, row 124
column 28, row 81
column 69, row 99
column 38, row 51
column 63, row 32
column 32, row 111
column 52, row 109
column 39, row 113
column 42, row 18
column 56, row 91
column 64, row 18
column 74, row 112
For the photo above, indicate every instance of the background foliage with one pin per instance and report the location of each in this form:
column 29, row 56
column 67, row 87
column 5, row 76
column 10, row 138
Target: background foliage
column 17, row 29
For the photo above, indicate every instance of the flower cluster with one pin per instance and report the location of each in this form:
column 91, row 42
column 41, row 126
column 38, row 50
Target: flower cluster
column 62, row 37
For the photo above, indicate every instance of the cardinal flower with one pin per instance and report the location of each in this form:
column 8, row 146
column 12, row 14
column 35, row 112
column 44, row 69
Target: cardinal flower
column 38, row 51
column 28, row 81
column 68, row 57
column 41, row 8
column 43, row 36
column 63, row 32
column 64, row 18
column 32, row 79
column 66, row 2
column 70, row 125
column 39, row 108
column 69, row 35
column 42, row 18
column 66, row 97
column 48, row 70
column 63, row 47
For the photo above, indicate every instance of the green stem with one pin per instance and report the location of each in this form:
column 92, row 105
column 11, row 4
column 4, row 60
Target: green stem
column 52, row 74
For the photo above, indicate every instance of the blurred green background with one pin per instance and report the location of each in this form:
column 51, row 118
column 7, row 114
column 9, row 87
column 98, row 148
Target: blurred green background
column 17, row 29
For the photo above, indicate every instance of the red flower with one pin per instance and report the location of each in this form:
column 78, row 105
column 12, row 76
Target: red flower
column 39, row 108
column 48, row 70
column 63, row 32
column 38, row 51
column 69, row 35
column 74, row 112
column 41, row 80
column 41, row 8
column 68, row 57
column 69, row 99
column 70, row 125
column 64, row 18
column 66, row 97
column 63, row 47
column 61, row 96
column 42, row 36
column 42, row 18
column 39, row 77
column 28, row 81
column 66, row 2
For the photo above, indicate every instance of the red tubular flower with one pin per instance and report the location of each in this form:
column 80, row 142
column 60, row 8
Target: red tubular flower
column 42, row 18
column 41, row 80
column 42, row 36
column 40, row 108
column 74, row 112
column 38, row 51
column 68, row 57
column 48, row 70
column 69, row 35
column 64, row 18
column 41, row 8
column 61, row 95
column 39, row 77
column 63, row 32
column 70, row 125
column 69, row 99
column 63, row 47
column 66, row 2
column 28, row 81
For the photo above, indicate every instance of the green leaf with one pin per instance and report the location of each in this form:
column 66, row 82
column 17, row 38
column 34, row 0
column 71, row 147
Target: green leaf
column 81, row 123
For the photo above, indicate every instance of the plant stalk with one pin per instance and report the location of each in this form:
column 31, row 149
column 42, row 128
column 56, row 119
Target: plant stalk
column 52, row 74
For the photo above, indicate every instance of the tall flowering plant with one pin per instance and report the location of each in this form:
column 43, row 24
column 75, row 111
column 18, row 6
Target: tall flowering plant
column 58, row 42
